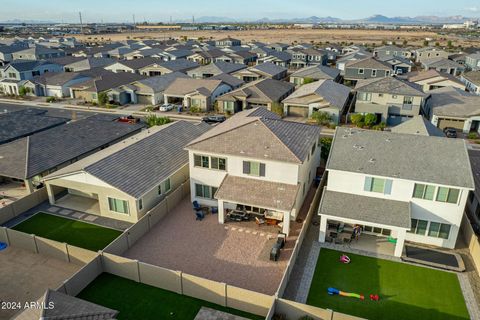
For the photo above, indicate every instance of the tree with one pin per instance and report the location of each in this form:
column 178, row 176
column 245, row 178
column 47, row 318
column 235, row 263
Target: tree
column 357, row 119
column 425, row 43
column 405, row 42
column 308, row 80
column 326, row 143
column 321, row 117
column 450, row 44
column 370, row 119
column 22, row 91
column 277, row 107
column 102, row 98
column 437, row 44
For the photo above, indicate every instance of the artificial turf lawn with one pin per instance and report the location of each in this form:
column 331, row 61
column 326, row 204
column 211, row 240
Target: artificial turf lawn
column 76, row 233
column 135, row 300
column 406, row 291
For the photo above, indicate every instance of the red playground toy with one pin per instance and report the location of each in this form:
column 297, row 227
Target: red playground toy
column 344, row 259
column 374, row 297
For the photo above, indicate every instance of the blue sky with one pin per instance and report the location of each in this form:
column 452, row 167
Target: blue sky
column 151, row 10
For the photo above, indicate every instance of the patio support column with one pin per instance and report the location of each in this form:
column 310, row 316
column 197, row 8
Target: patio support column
column 323, row 229
column 286, row 223
column 401, row 234
column 51, row 195
column 221, row 213
column 29, row 186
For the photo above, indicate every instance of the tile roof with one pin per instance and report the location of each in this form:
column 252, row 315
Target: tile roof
column 18, row 124
column 418, row 125
column 334, row 93
column 228, row 79
column 256, row 192
column 268, row 68
column 217, row 68
column 30, row 156
column 262, row 91
column 264, row 136
column 317, row 72
column 179, row 65
column 387, row 154
column 440, row 62
column 365, row 209
column 183, row 86
column 390, row 85
column 453, row 102
column 369, row 63
column 473, row 76
column 430, row 74
column 143, row 161
column 160, row 83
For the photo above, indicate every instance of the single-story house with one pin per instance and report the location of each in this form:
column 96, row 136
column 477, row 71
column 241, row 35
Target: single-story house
column 159, row 68
column 443, row 65
column 266, row 70
column 315, row 73
column 54, row 84
column 260, row 93
column 472, row 81
column 214, row 69
column 126, row 180
column 433, row 79
column 323, row 95
column 131, row 66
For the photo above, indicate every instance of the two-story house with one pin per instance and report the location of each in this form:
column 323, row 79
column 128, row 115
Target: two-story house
column 388, row 52
column 268, row 174
column 373, row 186
column 367, row 69
column 429, row 53
column 393, row 100
column 472, row 61
column 228, row 42
column 306, row 57
column 472, row 81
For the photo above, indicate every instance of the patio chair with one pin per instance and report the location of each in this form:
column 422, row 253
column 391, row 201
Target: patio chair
column 259, row 221
column 200, row 215
column 198, row 207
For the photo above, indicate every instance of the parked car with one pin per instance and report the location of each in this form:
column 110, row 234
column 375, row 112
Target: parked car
column 450, row 132
column 214, row 119
column 166, row 107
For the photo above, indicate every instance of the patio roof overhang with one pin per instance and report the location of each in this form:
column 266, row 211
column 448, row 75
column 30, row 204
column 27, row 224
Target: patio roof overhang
column 256, row 192
column 389, row 213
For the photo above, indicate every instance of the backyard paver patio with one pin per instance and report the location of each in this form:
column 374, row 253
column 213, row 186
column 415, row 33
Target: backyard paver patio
column 236, row 255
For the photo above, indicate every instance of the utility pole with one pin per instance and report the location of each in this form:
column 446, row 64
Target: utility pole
column 81, row 22
column 134, row 24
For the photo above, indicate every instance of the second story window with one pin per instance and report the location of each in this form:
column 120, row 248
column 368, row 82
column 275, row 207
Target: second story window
column 408, row 100
column 364, row 96
column 208, row 162
column 449, row 195
column 378, row 185
column 374, row 73
column 361, row 71
column 254, row 168
column 423, row 191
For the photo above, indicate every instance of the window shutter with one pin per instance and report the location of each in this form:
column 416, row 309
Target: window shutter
column 388, row 187
column 246, row 167
column 262, row 169
column 368, row 184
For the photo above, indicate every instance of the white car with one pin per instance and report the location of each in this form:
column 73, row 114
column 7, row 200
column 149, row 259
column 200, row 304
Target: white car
column 166, row 107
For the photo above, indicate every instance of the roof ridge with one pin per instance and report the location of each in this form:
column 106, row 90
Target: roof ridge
column 261, row 120
column 27, row 156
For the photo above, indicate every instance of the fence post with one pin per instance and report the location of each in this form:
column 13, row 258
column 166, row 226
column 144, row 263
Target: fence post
column 35, row 242
column 7, row 239
column 181, row 282
column 138, row 271
column 66, row 250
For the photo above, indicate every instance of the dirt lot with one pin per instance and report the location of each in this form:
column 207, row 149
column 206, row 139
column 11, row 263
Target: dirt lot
column 414, row 37
column 25, row 276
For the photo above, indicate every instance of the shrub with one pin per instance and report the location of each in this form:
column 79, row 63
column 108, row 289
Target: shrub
column 195, row 109
column 370, row 119
column 153, row 120
column 22, row 91
column 277, row 107
column 51, row 99
column 321, row 117
column 326, row 145
column 102, row 98
column 379, row 127
column 308, row 80
column 472, row 136
column 357, row 119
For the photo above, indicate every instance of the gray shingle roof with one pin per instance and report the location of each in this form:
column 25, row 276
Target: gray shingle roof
column 404, row 156
column 334, row 93
column 418, row 125
column 366, row 209
column 15, row 125
column 179, row 65
column 141, row 166
column 160, row 83
column 317, row 72
column 218, row 68
column 262, row 91
column 30, row 156
column 269, row 68
column 390, row 85
column 262, row 138
column 453, row 102
column 255, row 192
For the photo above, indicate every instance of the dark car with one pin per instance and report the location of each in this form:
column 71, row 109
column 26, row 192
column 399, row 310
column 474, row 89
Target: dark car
column 214, row 119
column 450, row 132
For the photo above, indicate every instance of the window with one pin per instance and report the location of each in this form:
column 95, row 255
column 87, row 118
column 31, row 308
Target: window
column 374, row 72
column 140, row 204
column 210, row 162
column 378, row 185
column 380, row 95
column 364, row 96
column 196, row 103
column 407, row 100
column 439, row 230
column 254, row 168
column 423, row 191
column 447, row 195
column 394, row 96
column 203, row 191
column 117, row 205
column 164, row 187
column 419, row 227
column 313, row 148
column 361, row 71
column 228, row 106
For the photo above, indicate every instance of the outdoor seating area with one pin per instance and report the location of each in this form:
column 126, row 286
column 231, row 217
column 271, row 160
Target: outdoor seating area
column 237, row 253
column 11, row 191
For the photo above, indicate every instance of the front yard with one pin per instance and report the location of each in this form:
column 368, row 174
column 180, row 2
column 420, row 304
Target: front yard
column 76, row 233
column 405, row 291
column 130, row 299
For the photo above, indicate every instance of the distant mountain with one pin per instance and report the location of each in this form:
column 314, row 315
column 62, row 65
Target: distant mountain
column 410, row 20
column 20, row 21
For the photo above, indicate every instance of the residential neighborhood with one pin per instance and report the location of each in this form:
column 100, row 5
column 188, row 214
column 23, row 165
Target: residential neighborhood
column 208, row 161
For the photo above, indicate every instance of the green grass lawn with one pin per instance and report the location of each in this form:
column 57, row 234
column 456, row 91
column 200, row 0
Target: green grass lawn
column 76, row 233
column 139, row 301
column 406, row 291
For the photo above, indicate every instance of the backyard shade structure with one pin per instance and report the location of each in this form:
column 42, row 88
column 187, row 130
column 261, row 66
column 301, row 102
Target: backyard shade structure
column 258, row 193
column 66, row 307
column 361, row 210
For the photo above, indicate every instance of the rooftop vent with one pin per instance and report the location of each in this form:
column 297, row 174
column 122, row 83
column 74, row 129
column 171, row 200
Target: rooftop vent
column 388, row 140
column 358, row 147
column 372, row 160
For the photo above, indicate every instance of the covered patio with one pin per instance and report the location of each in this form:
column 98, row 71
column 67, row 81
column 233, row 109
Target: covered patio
column 79, row 203
column 11, row 190
column 243, row 199
column 365, row 223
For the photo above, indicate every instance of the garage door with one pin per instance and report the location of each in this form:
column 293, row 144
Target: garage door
column 298, row 111
column 144, row 99
column 394, row 120
column 452, row 123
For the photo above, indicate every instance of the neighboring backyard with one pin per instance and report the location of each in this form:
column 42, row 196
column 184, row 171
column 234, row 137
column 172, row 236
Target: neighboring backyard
column 81, row 234
column 128, row 297
column 406, row 291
